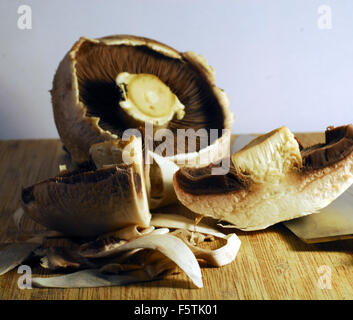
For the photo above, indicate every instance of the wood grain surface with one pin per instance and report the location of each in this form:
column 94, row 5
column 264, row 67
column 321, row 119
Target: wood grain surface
column 271, row 264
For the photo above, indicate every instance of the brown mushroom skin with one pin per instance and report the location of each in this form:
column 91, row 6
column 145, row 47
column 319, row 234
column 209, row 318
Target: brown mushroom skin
column 89, row 203
column 338, row 145
column 76, row 131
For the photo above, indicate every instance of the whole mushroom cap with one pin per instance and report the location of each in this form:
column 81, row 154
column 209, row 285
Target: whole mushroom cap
column 85, row 96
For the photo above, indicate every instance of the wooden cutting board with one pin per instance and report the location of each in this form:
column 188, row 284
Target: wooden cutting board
column 271, row 264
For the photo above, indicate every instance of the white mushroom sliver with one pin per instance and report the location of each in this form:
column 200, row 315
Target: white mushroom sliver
column 132, row 232
column 221, row 256
column 62, row 168
column 175, row 221
column 218, row 257
column 13, row 254
column 172, row 247
column 90, row 278
column 17, row 217
column 167, row 169
column 160, row 231
column 227, row 226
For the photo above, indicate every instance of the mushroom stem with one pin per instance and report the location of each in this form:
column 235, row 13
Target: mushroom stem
column 147, row 99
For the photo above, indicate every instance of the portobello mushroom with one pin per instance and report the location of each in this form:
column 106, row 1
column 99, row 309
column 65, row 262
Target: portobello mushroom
column 104, row 86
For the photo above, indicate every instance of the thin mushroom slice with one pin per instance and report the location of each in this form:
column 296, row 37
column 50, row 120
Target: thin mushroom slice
column 13, row 254
column 132, row 232
column 186, row 229
column 161, row 175
column 175, row 221
column 62, row 258
column 107, row 243
column 89, row 278
column 160, row 231
column 118, row 268
column 217, row 257
column 118, row 151
column 192, row 237
column 89, row 203
column 15, row 251
column 271, row 180
column 150, row 264
column 170, row 246
column 112, row 274
column 17, row 217
column 98, row 248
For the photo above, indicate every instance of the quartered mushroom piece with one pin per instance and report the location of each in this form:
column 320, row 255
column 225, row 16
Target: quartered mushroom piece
column 90, row 203
column 272, row 179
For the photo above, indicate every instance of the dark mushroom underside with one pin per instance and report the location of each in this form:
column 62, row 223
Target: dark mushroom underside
column 82, row 177
column 98, row 66
column 338, row 145
column 201, row 181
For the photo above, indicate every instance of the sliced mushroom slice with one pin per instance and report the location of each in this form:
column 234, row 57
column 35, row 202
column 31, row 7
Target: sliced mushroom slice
column 161, row 187
column 170, row 246
column 115, row 152
column 298, row 182
column 89, row 203
column 176, row 221
column 119, row 151
column 217, row 257
column 13, row 254
column 89, row 278
column 88, row 93
column 158, row 176
column 63, row 257
column 17, row 217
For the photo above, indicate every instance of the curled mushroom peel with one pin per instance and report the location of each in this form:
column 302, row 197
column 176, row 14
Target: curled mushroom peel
column 185, row 226
column 170, row 246
column 297, row 183
column 161, row 186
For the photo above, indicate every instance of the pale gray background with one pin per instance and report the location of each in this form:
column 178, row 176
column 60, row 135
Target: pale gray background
column 277, row 66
